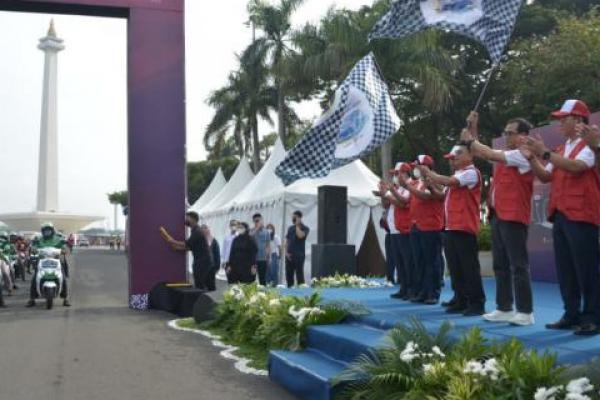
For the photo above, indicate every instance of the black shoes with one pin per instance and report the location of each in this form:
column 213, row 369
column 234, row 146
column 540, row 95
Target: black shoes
column 30, row 303
column 562, row 324
column 431, row 301
column 449, row 303
column 402, row 295
column 590, row 329
column 474, row 311
column 66, row 303
column 456, row 308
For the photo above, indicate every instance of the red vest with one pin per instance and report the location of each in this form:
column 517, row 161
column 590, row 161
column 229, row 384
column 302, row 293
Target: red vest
column 576, row 195
column 427, row 215
column 512, row 193
column 402, row 219
column 462, row 208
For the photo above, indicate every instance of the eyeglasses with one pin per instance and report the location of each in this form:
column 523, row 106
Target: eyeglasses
column 256, row 221
column 509, row 133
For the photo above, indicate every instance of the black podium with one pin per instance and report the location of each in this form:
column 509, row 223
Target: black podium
column 332, row 253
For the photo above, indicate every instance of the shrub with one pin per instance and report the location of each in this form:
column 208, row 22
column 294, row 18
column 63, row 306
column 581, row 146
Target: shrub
column 485, row 237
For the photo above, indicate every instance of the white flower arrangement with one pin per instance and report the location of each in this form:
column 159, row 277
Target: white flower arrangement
column 488, row 368
column 346, row 281
column 575, row 390
column 301, row 314
column 412, row 352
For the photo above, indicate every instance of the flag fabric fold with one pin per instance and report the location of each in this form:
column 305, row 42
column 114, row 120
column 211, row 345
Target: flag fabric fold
column 490, row 22
column 360, row 120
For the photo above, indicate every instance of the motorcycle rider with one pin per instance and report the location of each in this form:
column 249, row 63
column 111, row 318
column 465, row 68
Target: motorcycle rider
column 50, row 238
column 7, row 251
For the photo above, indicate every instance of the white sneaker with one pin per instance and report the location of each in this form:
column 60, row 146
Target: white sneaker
column 522, row 319
column 499, row 316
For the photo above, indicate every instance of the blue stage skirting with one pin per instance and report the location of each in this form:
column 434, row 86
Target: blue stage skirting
column 308, row 374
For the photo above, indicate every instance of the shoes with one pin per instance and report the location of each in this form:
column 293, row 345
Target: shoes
column 499, row 316
column 66, row 303
column 31, row 303
column 431, row 301
column 417, row 299
column 562, row 324
column 590, row 329
column 522, row 319
column 457, row 308
column 474, row 310
column 449, row 303
column 399, row 295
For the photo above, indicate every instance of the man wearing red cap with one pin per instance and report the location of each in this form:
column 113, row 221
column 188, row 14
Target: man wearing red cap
column 575, row 211
column 463, row 200
column 399, row 219
column 427, row 224
column 510, row 210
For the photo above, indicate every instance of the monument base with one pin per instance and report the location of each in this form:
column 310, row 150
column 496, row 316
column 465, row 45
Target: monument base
column 327, row 259
column 63, row 222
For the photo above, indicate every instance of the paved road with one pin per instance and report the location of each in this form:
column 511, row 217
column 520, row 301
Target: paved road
column 100, row 350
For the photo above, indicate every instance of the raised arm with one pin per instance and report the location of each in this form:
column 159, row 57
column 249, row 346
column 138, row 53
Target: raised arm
column 537, row 147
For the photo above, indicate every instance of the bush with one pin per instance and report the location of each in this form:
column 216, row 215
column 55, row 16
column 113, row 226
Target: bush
column 485, row 237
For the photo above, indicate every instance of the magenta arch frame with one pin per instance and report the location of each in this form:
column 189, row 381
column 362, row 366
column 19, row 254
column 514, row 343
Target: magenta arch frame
column 156, row 128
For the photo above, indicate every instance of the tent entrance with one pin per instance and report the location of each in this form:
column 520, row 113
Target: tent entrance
column 370, row 261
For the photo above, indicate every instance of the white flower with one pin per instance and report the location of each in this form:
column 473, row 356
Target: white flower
column 579, row 386
column 428, row 368
column 274, row 302
column 303, row 286
column 546, row 394
column 577, row 396
column 281, row 286
column 301, row 314
column 473, row 367
column 410, row 352
column 436, row 350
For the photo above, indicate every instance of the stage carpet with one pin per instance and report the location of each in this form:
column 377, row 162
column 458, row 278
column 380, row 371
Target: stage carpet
column 308, row 374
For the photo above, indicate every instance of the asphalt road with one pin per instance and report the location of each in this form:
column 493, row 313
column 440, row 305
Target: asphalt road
column 100, row 350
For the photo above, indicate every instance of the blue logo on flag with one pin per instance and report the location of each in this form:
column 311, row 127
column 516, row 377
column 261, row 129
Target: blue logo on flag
column 352, row 125
column 454, row 5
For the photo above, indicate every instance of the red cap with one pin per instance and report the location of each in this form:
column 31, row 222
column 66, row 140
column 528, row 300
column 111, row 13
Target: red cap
column 452, row 154
column 572, row 107
column 424, row 159
column 401, row 167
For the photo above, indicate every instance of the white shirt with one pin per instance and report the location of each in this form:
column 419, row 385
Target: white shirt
column 514, row 158
column 276, row 244
column 586, row 154
column 226, row 249
column 467, row 177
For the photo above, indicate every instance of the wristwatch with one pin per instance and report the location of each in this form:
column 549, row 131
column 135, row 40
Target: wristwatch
column 546, row 156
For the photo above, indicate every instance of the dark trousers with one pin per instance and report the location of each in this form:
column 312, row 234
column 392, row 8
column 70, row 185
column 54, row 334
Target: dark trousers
column 576, row 256
column 211, row 284
column 389, row 259
column 407, row 263
column 462, row 256
column 294, row 266
column 200, row 272
column 400, row 268
column 261, row 266
column 426, row 250
column 511, row 266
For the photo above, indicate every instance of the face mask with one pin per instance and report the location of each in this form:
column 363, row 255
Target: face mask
column 417, row 173
column 232, row 228
column 396, row 181
column 294, row 220
column 270, row 231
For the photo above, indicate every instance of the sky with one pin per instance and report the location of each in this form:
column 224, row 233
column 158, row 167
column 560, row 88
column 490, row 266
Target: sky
column 92, row 95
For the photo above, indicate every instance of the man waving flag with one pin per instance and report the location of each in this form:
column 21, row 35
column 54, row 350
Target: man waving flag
column 490, row 22
column 361, row 119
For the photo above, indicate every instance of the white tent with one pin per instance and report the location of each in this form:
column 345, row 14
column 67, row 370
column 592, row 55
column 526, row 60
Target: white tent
column 216, row 185
column 240, row 178
column 267, row 195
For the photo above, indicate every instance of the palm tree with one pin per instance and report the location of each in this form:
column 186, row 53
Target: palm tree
column 273, row 47
column 417, row 67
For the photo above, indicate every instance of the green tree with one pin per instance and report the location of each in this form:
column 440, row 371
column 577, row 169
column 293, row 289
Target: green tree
column 119, row 198
column 274, row 20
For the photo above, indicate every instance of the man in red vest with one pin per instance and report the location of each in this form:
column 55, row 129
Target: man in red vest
column 510, row 210
column 400, row 198
column 591, row 135
column 575, row 211
column 463, row 200
column 426, row 226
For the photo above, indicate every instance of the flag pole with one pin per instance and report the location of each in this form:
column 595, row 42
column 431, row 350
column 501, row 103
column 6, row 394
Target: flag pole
column 485, row 86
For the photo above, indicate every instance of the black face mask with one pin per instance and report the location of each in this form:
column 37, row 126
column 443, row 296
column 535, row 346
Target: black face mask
column 294, row 220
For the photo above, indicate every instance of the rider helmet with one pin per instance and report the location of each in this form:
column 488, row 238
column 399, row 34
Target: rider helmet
column 48, row 230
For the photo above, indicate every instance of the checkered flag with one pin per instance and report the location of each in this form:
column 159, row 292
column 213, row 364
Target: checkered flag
column 489, row 22
column 361, row 119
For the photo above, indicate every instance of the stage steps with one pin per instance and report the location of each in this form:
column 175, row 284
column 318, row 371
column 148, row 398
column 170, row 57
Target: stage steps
column 309, row 374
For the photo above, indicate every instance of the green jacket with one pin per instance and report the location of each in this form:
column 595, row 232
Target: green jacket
column 55, row 241
column 7, row 250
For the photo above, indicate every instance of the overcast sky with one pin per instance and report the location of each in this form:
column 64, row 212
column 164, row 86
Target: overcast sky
column 92, row 96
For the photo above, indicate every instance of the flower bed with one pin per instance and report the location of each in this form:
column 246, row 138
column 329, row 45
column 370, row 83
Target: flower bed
column 347, row 281
column 416, row 365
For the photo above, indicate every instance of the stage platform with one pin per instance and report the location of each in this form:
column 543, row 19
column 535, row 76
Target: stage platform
column 308, row 374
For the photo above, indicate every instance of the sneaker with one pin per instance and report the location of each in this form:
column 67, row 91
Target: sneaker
column 499, row 316
column 522, row 319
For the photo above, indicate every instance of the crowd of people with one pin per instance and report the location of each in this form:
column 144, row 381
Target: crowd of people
column 247, row 254
column 427, row 214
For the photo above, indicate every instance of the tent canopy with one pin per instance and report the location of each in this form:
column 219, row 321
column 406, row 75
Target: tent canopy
column 216, row 185
column 240, row 178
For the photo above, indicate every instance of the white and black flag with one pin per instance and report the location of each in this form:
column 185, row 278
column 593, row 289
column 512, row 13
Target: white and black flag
column 361, row 119
column 490, row 22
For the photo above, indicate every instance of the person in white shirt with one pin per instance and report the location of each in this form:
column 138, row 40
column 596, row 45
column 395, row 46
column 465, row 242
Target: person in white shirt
column 510, row 214
column 574, row 210
column 227, row 241
column 275, row 257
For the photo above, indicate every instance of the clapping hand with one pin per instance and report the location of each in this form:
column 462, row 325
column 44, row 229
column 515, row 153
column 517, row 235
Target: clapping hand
column 589, row 133
column 536, row 146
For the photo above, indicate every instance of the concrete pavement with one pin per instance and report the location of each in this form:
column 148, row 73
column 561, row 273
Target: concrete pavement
column 101, row 350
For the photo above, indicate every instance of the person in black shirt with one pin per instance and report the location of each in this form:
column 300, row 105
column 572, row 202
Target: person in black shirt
column 242, row 259
column 198, row 245
column 295, row 244
column 216, row 258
